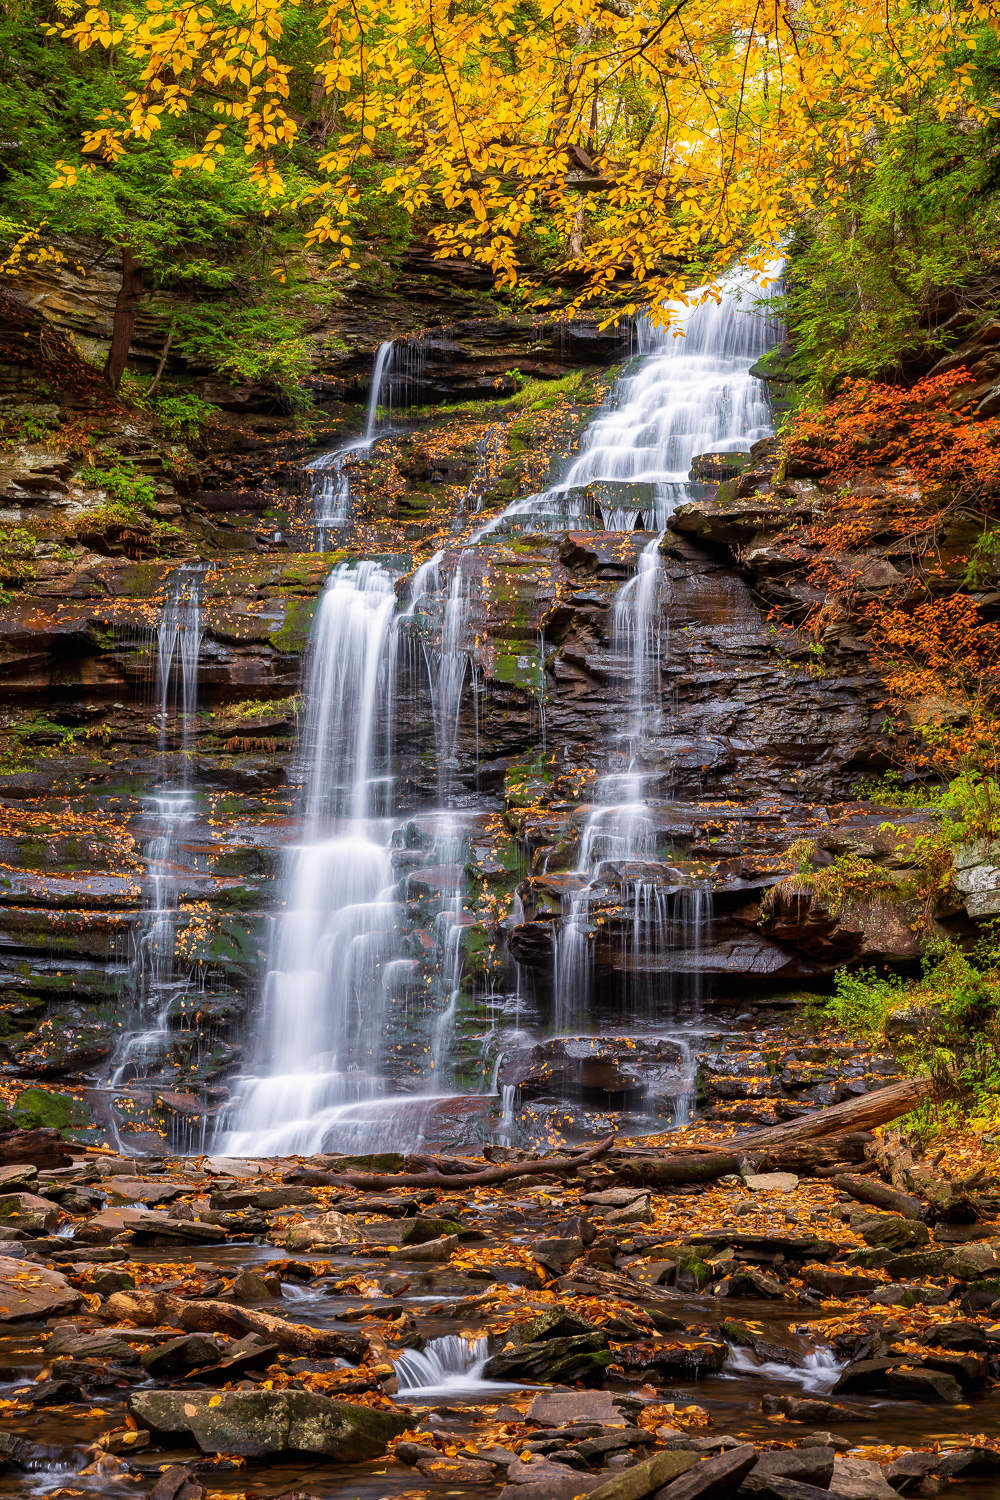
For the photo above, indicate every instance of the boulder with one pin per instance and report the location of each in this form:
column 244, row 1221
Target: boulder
column 557, row 1360
column 807, row 1465
column 29, row 1291
column 811, row 1409
column 317, row 1234
column 858, row 1479
column 973, row 1262
column 716, row 1478
column 259, row 1424
column 436, row 1250
column 924, row 1385
column 771, row 1182
column 563, row 1408
column 35, row 1216
column 178, row 1356
column 968, row 1337
column 647, row 1477
column 892, row 1232
column 838, row 1283
column 674, row 1361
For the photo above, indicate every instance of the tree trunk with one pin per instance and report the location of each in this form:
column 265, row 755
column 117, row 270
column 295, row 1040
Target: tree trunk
column 881, row 1196
column 863, row 1113
column 123, row 326
column 446, row 1179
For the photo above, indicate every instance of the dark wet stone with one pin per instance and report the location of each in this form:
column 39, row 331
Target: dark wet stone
column 894, row 1233
column 867, row 1375
column 959, row 1335
column 924, row 1385
column 810, row 1409
column 714, row 1479
column 677, row 1362
column 583, row 1358
column 970, row 1370
column 51, row 1393
column 807, row 1465
column 180, row 1355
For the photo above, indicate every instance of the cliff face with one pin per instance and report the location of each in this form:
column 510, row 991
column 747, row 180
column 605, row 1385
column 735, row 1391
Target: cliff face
column 754, row 748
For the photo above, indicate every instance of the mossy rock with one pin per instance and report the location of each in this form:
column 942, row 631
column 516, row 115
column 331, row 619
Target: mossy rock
column 292, row 635
column 692, row 1273
column 37, row 1107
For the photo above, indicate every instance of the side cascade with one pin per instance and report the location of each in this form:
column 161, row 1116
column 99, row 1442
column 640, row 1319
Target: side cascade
column 328, row 477
column 154, row 981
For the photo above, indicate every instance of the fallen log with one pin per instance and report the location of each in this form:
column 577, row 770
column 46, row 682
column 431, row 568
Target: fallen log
column 36, row 1148
column 669, row 1171
column 864, row 1113
column 206, row 1315
column 865, row 1190
column 816, row 1156
column 485, row 1178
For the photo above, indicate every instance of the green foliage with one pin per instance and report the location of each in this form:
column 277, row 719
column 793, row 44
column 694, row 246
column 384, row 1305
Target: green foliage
column 953, row 1023
column 125, row 487
column 183, row 415
column 888, row 791
column 924, row 220
column 17, row 555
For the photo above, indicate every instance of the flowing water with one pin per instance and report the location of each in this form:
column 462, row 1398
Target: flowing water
column 329, row 478
column 157, row 978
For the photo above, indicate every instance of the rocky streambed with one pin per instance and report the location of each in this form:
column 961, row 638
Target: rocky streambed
column 181, row 1327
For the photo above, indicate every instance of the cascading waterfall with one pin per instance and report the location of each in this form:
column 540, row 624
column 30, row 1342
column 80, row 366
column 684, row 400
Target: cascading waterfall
column 691, row 393
column 153, row 981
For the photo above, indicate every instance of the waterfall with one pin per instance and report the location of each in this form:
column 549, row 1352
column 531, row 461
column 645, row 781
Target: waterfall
column 449, row 1364
column 689, row 392
column 320, row 1034
column 153, row 981
column 327, row 476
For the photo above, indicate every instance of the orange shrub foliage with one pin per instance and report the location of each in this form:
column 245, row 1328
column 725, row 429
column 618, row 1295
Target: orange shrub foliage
column 883, row 426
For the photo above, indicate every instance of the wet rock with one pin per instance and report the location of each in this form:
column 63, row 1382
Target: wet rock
column 556, row 1408
column 178, row 1356
column 970, row 1370
column 177, row 1483
column 613, row 1067
column 28, row 1212
column 832, row 1283
column 251, row 1353
column 249, row 1287
column 857, row 1479
column 316, row 1234
column 74, row 1344
column 807, row 1465
column 646, row 1478
column 715, row 1479
column 265, row 1199
column 674, row 1361
column 259, row 1424
column 923, row 1385
column 33, row 1292
column 734, row 1331
column 894, row 1233
column 918, row 1263
column 423, row 1229
column 51, row 1393
column 866, row 1375
column 584, row 1357
column 810, row 1409
column 549, row 1483
column 595, row 1450
column 436, row 1250
column 455, row 1470
column 968, row 1337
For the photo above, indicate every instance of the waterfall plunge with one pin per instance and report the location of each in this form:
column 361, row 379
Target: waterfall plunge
column 325, row 1001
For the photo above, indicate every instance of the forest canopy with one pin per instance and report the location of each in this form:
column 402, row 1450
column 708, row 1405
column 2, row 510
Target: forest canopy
column 613, row 142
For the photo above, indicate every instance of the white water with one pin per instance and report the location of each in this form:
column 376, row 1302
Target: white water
column 321, row 1035
column 688, row 394
column 449, row 1366
column 329, row 478
column 153, row 981
column 818, row 1373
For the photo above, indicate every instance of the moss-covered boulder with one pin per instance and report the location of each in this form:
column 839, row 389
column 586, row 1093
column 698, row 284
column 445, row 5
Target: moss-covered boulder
column 259, row 1424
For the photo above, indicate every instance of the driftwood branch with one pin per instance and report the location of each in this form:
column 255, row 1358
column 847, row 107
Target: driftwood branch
column 438, row 1178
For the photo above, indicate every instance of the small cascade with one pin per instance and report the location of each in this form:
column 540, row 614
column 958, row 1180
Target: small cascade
column 447, row 665
column 327, row 476
column 450, row 1365
column 153, row 983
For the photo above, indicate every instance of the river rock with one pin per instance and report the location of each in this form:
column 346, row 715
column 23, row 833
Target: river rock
column 563, row 1408
column 716, row 1478
column 893, row 1232
column 837, row 1283
column 858, row 1479
column 807, row 1465
column 29, row 1291
column 261, row 1424
column 178, row 1356
column 923, row 1385
column 973, row 1262
column 810, row 1409
column 26, row 1211
column 316, row 1234
column 771, row 1182
column 685, row 1361
column 959, row 1335
column 436, row 1250
column 582, row 1358
column 647, row 1477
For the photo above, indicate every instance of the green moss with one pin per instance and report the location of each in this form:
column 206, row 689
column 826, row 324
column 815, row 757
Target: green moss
column 37, row 1108
column 292, row 635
